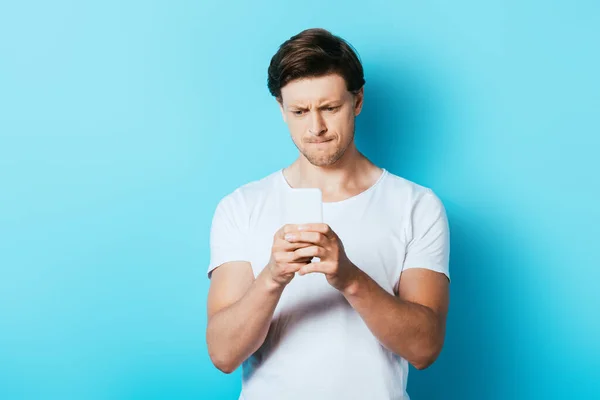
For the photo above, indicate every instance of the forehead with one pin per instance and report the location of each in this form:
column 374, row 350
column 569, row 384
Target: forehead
column 314, row 90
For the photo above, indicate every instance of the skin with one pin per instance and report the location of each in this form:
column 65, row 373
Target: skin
column 410, row 323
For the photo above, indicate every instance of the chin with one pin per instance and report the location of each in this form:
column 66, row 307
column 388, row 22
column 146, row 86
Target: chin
column 323, row 160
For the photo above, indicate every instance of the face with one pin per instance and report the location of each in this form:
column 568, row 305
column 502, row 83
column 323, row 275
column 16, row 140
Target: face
column 320, row 115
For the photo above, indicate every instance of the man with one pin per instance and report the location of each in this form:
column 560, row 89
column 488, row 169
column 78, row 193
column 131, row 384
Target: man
column 347, row 326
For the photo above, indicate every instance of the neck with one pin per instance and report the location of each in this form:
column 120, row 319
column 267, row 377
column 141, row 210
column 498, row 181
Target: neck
column 350, row 175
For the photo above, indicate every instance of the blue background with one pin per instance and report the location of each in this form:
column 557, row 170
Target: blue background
column 122, row 124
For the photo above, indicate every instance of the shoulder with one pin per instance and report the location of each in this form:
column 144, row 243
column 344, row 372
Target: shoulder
column 410, row 193
column 245, row 197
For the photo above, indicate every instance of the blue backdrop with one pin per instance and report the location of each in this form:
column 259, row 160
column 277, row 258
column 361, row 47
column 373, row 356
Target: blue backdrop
column 122, row 124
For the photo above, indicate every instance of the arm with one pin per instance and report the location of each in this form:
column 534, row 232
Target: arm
column 411, row 325
column 240, row 309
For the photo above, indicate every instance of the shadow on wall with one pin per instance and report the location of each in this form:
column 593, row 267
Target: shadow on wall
column 401, row 125
column 399, row 129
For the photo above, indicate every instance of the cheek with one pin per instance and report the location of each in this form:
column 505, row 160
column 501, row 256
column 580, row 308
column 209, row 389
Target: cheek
column 300, row 128
column 341, row 124
column 342, row 118
column 294, row 126
column 297, row 131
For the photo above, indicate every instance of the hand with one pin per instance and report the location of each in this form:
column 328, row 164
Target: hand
column 324, row 243
column 284, row 261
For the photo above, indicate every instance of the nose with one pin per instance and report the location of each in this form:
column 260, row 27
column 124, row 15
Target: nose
column 317, row 124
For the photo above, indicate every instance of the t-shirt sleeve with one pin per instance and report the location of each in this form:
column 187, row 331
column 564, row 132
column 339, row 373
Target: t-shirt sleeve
column 228, row 232
column 430, row 244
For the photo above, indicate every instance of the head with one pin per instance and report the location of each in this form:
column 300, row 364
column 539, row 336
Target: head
column 317, row 80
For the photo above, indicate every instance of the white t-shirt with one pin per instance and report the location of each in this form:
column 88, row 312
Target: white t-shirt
column 318, row 346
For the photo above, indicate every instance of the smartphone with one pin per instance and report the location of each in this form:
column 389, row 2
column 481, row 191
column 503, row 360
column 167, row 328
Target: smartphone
column 303, row 206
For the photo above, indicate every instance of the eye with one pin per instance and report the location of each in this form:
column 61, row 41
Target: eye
column 330, row 109
column 298, row 112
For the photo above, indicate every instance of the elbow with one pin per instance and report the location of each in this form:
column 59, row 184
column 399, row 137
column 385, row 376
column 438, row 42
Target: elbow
column 220, row 357
column 219, row 354
column 225, row 368
column 423, row 364
column 427, row 356
column 222, row 363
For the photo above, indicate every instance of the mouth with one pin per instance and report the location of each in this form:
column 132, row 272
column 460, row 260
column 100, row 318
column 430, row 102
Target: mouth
column 321, row 141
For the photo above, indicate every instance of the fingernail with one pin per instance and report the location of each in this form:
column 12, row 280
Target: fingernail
column 289, row 236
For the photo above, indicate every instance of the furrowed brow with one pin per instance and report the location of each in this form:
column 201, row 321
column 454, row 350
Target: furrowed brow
column 326, row 104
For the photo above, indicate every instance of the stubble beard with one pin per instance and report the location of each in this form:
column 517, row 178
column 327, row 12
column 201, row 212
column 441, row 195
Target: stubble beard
column 320, row 159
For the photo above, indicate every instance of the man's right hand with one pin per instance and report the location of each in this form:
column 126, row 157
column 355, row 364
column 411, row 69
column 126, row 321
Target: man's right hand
column 284, row 262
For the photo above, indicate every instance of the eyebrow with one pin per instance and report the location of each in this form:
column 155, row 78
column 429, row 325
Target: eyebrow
column 327, row 104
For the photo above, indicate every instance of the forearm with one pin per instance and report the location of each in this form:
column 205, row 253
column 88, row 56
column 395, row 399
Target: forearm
column 237, row 331
column 410, row 330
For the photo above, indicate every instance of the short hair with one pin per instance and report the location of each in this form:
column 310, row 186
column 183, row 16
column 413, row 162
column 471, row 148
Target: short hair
column 314, row 53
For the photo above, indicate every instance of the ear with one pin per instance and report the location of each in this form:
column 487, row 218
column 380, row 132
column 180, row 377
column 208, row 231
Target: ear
column 358, row 100
column 281, row 108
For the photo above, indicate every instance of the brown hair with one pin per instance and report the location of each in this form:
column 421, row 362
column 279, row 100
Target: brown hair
column 314, row 53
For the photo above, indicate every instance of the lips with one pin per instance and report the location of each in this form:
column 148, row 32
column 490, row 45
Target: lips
column 322, row 141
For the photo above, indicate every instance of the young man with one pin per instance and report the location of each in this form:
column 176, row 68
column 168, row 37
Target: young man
column 347, row 326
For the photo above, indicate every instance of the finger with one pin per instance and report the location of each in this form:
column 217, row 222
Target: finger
column 287, row 228
column 290, row 228
column 286, row 246
column 311, row 251
column 321, row 228
column 294, row 266
column 303, row 260
column 321, row 267
column 306, row 237
column 289, row 258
